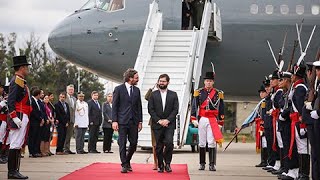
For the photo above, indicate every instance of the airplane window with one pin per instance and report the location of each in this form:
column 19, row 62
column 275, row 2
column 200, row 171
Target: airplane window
column 269, row 9
column 284, row 9
column 300, row 9
column 116, row 5
column 315, row 9
column 89, row 5
column 103, row 4
column 254, row 9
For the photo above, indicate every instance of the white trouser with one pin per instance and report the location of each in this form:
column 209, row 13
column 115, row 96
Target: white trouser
column 3, row 128
column 302, row 144
column 17, row 137
column 264, row 142
column 279, row 138
column 205, row 133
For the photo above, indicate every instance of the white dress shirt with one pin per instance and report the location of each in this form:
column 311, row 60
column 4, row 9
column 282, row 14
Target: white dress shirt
column 81, row 114
column 35, row 99
column 128, row 87
column 163, row 94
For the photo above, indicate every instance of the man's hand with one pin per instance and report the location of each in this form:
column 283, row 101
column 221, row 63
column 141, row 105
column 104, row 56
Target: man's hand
column 17, row 121
column 139, row 127
column 76, row 126
column 195, row 123
column 308, row 105
column 57, row 121
column 42, row 122
column 314, row 114
column 3, row 103
column 166, row 123
column 67, row 124
column 91, row 123
column 115, row 126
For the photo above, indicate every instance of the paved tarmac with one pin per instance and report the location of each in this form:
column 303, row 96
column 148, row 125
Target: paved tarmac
column 236, row 163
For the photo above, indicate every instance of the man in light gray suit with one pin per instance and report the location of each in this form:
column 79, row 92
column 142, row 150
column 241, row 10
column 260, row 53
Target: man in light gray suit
column 71, row 100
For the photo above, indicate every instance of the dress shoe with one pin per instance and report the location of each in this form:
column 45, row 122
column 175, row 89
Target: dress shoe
column 109, row 152
column 271, row 170
column 160, row 170
column 278, row 172
column 32, row 156
column 124, row 170
column 212, row 167
column 129, row 168
column 287, row 178
column 60, row 153
column 94, row 152
column 69, row 152
column 16, row 175
column 261, row 165
column 202, row 167
column 267, row 168
column 168, row 168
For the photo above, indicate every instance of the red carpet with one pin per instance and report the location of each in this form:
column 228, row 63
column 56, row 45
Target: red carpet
column 99, row 171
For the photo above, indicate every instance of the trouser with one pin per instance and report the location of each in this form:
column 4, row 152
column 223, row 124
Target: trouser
column 164, row 145
column 304, row 157
column 314, row 139
column 34, row 139
column 61, row 137
column 272, row 155
column 69, row 135
column 130, row 132
column 3, row 130
column 80, row 132
column 107, row 138
column 289, row 163
column 205, row 134
column 93, row 137
column 17, row 137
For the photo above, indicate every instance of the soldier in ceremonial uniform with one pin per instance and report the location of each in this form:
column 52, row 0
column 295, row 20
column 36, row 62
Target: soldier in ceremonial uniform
column 261, row 143
column 313, row 125
column 208, row 108
column 19, row 111
column 3, row 124
column 270, row 123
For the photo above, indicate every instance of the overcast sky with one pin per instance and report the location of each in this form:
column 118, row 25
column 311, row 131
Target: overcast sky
column 38, row 16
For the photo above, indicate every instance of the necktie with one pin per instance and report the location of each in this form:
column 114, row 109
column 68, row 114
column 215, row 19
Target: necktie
column 97, row 104
column 131, row 91
column 65, row 107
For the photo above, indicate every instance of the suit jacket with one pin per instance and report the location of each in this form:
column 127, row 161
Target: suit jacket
column 170, row 112
column 95, row 113
column 62, row 116
column 107, row 115
column 36, row 114
column 126, row 108
column 72, row 107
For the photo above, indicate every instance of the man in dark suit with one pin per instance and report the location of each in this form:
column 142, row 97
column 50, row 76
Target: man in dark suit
column 107, row 124
column 36, row 121
column 95, row 120
column 62, row 120
column 127, row 116
column 163, row 108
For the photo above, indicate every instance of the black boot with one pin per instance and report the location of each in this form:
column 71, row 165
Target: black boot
column 14, row 165
column 304, row 166
column 212, row 157
column 202, row 155
column 4, row 156
column 281, row 169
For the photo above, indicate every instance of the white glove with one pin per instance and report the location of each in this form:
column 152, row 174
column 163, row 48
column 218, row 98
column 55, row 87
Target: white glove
column 308, row 105
column 3, row 103
column 17, row 121
column 270, row 111
column 314, row 114
column 281, row 118
column 195, row 123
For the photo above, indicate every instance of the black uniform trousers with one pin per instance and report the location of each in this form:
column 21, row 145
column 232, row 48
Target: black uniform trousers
column 34, row 139
column 272, row 155
column 314, row 139
column 62, row 131
column 164, row 138
column 127, row 132
column 93, row 137
column 107, row 138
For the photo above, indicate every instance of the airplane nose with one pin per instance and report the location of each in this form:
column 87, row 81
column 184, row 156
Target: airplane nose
column 60, row 39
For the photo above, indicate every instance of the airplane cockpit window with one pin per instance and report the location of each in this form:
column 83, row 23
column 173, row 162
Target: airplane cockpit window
column 284, row 9
column 300, row 9
column 254, row 9
column 103, row 4
column 269, row 9
column 89, row 5
column 116, row 5
column 315, row 9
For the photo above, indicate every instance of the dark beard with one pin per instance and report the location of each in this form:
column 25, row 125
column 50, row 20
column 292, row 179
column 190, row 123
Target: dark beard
column 163, row 87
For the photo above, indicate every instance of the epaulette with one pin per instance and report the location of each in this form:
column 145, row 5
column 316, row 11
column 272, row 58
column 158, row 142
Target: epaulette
column 196, row 92
column 263, row 104
column 19, row 81
column 221, row 94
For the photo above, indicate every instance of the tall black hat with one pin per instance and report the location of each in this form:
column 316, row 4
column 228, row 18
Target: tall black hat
column 20, row 61
column 275, row 75
column 299, row 70
column 309, row 65
column 209, row 75
column 262, row 89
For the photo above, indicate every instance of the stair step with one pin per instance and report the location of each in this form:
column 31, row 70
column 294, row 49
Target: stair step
column 170, row 54
column 175, row 33
column 166, row 64
column 172, row 48
column 174, row 43
column 155, row 75
column 173, row 38
column 169, row 59
column 167, row 70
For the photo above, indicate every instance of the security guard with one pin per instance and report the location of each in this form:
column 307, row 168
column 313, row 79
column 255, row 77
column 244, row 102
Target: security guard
column 208, row 106
column 19, row 111
column 3, row 124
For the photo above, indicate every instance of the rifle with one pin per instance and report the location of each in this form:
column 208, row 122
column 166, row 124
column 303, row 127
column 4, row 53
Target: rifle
column 295, row 45
column 282, row 48
column 312, row 80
